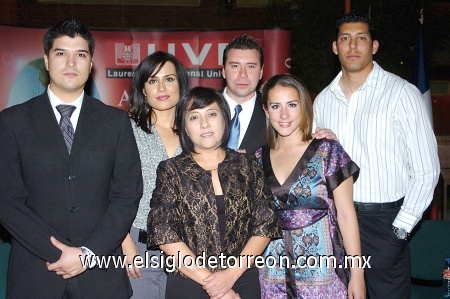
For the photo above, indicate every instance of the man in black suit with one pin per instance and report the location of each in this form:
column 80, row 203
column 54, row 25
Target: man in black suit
column 243, row 63
column 67, row 191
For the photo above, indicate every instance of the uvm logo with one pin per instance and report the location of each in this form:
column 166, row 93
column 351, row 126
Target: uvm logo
column 127, row 54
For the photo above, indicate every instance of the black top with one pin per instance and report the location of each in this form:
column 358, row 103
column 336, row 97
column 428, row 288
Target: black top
column 220, row 203
column 184, row 209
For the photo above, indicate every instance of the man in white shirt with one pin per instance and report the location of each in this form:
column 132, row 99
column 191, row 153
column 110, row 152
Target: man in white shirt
column 243, row 63
column 382, row 123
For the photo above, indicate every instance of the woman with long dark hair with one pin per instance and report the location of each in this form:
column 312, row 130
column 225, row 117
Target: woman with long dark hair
column 159, row 82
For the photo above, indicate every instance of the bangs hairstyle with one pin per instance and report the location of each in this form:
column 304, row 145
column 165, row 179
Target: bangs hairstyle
column 199, row 98
column 138, row 108
column 305, row 106
column 69, row 27
column 356, row 17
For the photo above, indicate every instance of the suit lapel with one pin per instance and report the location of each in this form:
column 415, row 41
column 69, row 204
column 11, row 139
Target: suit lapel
column 255, row 135
column 44, row 119
column 87, row 124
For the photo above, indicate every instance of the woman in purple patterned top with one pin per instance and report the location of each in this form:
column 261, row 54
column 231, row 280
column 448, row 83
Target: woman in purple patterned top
column 312, row 182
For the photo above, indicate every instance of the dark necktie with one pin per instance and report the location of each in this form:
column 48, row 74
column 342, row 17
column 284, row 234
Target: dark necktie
column 65, row 124
column 233, row 141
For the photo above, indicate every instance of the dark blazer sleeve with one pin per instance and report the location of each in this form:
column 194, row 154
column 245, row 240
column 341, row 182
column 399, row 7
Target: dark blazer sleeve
column 24, row 224
column 35, row 190
column 164, row 221
column 265, row 220
column 125, row 192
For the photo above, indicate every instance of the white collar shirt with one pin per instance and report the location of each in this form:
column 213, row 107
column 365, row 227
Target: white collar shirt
column 55, row 101
column 385, row 129
column 246, row 114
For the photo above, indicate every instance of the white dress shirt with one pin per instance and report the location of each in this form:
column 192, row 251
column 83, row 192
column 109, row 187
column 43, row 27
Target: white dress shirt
column 386, row 131
column 246, row 114
column 55, row 101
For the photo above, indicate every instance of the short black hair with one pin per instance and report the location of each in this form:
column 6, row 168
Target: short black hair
column 243, row 42
column 138, row 108
column 356, row 17
column 70, row 27
column 198, row 98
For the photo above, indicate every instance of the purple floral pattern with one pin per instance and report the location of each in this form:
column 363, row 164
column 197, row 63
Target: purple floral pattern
column 308, row 218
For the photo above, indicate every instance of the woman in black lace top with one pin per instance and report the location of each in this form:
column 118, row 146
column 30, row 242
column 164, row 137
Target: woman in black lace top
column 210, row 201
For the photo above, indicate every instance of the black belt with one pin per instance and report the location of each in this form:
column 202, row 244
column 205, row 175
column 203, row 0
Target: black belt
column 361, row 206
column 142, row 236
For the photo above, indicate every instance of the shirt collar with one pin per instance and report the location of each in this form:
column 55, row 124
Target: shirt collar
column 195, row 172
column 375, row 76
column 247, row 105
column 55, row 101
column 373, row 79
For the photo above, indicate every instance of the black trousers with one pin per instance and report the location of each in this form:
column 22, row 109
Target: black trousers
column 390, row 272
column 72, row 290
column 247, row 286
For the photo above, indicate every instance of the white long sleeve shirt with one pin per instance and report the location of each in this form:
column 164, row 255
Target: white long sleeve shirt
column 385, row 129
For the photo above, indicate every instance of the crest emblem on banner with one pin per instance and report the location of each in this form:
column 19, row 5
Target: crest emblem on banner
column 127, row 54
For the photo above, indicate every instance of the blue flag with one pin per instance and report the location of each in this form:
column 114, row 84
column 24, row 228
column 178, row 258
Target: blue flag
column 420, row 78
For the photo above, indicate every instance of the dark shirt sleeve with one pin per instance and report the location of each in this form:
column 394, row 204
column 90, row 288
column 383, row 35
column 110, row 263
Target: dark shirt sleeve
column 265, row 221
column 164, row 224
column 339, row 166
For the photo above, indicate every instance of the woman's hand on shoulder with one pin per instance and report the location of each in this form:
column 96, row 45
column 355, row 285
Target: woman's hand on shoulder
column 324, row 133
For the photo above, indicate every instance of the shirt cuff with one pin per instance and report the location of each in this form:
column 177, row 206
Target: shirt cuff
column 89, row 257
column 405, row 221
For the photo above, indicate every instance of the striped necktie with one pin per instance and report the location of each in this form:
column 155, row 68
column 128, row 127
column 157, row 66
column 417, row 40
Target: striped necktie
column 65, row 124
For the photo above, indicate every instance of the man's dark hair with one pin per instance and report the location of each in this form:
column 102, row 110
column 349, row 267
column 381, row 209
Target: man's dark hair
column 243, row 42
column 198, row 98
column 356, row 17
column 69, row 27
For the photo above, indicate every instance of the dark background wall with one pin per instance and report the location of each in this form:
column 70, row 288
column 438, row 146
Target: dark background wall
column 311, row 22
column 210, row 14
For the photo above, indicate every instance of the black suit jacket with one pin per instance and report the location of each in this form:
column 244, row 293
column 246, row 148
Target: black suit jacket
column 88, row 198
column 255, row 136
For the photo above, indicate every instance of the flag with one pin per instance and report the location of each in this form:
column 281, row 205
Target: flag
column 420, row 78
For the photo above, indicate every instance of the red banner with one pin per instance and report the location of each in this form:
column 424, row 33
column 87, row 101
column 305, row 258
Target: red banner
column 117, row 53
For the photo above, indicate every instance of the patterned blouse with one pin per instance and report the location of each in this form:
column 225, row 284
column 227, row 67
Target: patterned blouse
column 183, row 208
column 151, row 151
